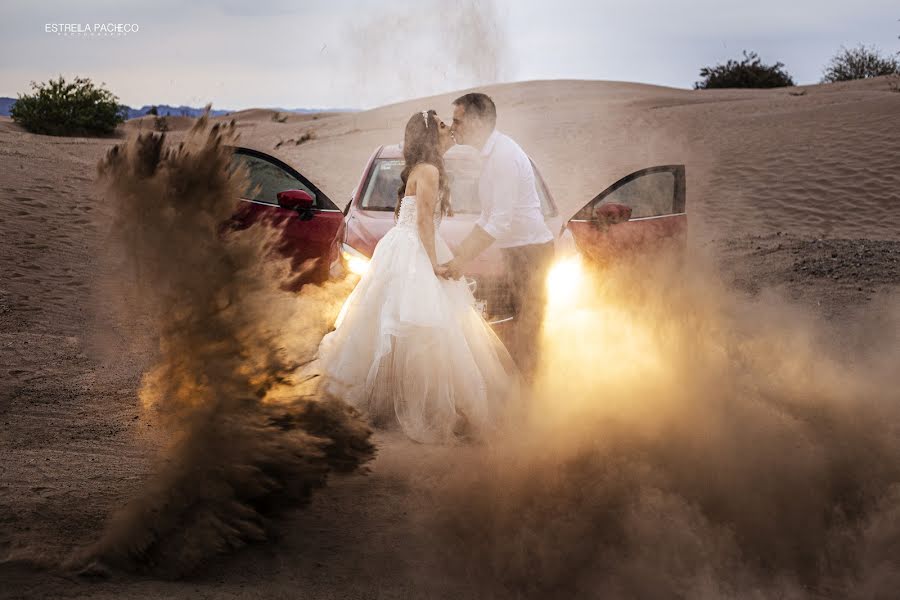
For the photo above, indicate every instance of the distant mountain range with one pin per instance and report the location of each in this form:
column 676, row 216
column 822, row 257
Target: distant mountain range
column 5, row 105
column 187, row 111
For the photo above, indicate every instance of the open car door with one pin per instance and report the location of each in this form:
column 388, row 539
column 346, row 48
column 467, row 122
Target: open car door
column 640, row 212
column 311, row 225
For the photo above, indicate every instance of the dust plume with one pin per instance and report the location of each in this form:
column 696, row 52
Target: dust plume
column 416, row 49
column 245, row 440
column 684, row 441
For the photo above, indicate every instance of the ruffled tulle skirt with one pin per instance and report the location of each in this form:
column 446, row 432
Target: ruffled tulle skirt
column 411, row 350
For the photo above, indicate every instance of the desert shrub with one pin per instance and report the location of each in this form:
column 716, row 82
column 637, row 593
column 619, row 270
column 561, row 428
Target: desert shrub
column 309, row 135
column 305, row 137
column 747, row 73
column 58, row 107
column 859, row 63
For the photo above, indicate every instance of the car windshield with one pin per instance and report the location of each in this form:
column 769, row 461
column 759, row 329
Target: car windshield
column 382, row 186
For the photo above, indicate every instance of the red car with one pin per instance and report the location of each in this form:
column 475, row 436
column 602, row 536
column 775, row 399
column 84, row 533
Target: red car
column 312, row 225
column 642, row 209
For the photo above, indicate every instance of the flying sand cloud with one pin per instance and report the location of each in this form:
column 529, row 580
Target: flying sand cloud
column 244, row 441
column 684, row 442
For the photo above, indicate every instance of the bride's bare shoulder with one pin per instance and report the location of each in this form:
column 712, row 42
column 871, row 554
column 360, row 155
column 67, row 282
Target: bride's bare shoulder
column 424, row 176
column 425, row 171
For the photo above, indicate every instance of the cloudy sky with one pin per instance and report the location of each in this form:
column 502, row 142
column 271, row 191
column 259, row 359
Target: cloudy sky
column 359, row 54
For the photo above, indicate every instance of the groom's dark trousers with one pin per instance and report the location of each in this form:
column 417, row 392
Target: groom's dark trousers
column 527, row 268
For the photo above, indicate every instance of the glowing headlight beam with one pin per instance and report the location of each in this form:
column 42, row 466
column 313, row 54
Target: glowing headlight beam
column 564, row 280
column 357, row 263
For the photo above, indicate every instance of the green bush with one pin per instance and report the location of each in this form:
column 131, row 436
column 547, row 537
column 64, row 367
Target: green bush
column 859, row 63
column 61, row 108
column 747, row 73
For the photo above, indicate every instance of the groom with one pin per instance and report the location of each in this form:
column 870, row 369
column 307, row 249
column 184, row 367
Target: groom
column 511, row 217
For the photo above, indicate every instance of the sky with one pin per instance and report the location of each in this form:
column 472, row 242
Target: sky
column 361, row 54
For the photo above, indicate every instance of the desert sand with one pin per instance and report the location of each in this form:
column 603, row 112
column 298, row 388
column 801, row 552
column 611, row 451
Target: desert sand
column 790, row 191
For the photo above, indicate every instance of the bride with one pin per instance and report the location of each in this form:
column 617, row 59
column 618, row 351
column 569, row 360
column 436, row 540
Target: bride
column 409, row 348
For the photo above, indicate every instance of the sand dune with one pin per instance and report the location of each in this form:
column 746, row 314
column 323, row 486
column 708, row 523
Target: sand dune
column 819, row 163
column 281, row 117
column 148, row 123
column 810, row 162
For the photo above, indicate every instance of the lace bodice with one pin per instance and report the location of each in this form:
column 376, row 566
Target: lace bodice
column 407, row 216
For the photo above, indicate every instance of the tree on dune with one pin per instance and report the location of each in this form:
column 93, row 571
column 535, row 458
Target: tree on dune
column 861, row 62
column 747, row 73
column 58, row 107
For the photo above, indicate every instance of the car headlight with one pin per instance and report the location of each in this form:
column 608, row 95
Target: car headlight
column 564, row 281
column 356, row 261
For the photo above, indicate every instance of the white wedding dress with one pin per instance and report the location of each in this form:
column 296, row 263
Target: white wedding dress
column 410, row 349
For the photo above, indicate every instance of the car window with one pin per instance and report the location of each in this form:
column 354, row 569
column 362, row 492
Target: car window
column 381, row 190
column 268, row 178
column 463, row 180
column 650, row 194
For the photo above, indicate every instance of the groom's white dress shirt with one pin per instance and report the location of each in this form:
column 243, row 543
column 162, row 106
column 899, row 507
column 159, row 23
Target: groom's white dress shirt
column 510, row 205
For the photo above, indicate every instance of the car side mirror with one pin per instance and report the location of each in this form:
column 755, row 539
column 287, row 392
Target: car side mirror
column 611, row 214
column 299, row 200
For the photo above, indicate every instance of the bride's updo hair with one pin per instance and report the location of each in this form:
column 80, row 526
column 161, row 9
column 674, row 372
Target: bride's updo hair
column 421, row 144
